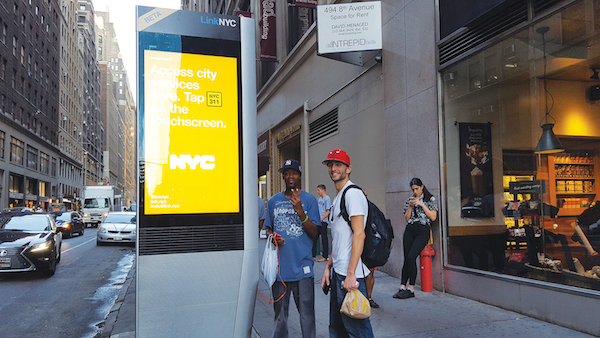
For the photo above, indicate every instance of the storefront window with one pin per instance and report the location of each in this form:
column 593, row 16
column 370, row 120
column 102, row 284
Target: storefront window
column 510, row 210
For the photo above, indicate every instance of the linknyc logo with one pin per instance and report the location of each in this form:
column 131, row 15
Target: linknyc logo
column 218, row 21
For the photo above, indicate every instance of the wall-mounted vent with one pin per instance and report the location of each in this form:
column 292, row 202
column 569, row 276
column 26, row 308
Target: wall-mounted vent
column 503, row 18
column 185, row 239
column 323, row 126
column 542, row 5
column 482, row 30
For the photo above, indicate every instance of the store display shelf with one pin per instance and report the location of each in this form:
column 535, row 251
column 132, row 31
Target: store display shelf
column 586, row 178
column 570, row 211
column 574, row 162
column 576, row 193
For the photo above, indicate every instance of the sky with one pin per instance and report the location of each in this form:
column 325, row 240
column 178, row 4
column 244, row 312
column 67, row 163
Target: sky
column 122, row 15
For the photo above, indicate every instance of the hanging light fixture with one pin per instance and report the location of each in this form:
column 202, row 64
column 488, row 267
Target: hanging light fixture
column 548, row 143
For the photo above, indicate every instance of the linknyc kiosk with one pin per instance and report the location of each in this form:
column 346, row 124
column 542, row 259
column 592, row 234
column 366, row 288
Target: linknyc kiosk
column 197, row 268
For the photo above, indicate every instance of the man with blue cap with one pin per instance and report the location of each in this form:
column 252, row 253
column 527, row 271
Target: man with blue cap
column 293, row 216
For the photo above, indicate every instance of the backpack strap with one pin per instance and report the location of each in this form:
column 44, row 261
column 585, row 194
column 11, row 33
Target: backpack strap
column 343, row 210
column 344, row 214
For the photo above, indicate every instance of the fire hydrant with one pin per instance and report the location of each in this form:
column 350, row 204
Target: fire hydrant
column 426, row 274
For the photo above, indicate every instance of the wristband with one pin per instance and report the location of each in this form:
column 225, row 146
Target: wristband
column 305, row 220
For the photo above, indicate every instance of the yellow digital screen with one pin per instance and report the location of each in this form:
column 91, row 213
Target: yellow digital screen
column 191, row 134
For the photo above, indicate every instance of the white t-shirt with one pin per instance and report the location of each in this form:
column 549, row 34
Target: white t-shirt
column 341, row 232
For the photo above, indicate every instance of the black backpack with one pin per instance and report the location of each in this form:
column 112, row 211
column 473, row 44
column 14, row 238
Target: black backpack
column 378, row 231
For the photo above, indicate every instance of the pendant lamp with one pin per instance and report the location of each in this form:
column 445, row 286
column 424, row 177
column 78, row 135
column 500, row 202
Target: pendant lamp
column 548, row 143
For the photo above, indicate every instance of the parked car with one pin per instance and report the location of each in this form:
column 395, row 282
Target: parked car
column 29, row 242
column 69, row 223
column 17, row 209
column 117, row 227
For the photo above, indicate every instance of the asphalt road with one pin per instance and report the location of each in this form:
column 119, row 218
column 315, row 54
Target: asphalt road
column 72, row 303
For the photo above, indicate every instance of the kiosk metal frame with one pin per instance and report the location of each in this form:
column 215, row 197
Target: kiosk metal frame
column 197, row 270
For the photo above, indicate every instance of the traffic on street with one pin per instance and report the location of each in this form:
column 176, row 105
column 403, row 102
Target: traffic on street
column 75, row 300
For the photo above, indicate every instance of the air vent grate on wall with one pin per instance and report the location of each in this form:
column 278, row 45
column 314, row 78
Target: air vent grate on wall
column 485, row 28
column 323, row 126
column 185, row 239
column 542, row 5
column 482, row 30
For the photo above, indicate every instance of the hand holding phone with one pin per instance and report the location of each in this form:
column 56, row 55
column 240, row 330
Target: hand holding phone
column 326, row 288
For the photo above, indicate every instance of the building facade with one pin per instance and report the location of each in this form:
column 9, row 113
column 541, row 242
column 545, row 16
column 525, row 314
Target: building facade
column 457, row 97
column 226, row 7
column 92, row 133
column 114, row 101
column 127, row 105
column 29, row 103
column 70, row 105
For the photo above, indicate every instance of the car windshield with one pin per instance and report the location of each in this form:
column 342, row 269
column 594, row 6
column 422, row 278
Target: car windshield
column 95, row 203
column 120, row 218
column 63, row 216
column 27, row 223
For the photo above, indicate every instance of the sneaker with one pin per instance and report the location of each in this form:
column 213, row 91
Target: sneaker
column 407, row 294
column 373, row 304
column 403, row 294
column 322, row 259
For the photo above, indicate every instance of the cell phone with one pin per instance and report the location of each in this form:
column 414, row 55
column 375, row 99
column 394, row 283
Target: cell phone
column 278, row 236
column 326, row 288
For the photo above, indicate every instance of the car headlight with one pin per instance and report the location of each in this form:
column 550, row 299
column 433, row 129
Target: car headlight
column 134, row 231
column 106, row 214
column 85, row 215
column 65, row 225
column 102, row 230
column 40, row 247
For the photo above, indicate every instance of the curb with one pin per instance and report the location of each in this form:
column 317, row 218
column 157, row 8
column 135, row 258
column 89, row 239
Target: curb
column 113, row 314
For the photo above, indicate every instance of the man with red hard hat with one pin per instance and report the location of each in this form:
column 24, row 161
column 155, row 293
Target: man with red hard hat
column 348, row 272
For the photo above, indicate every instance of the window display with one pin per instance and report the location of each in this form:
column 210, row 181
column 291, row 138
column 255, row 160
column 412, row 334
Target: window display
column 543, row 216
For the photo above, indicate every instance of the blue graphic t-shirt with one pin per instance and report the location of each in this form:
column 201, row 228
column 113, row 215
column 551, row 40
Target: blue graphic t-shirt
column 296, row 254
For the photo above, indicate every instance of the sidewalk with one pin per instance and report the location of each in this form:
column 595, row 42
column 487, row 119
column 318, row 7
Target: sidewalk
column 429, row 314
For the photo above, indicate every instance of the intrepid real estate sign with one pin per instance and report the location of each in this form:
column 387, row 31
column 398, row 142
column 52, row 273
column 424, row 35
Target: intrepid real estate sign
column 349, row 27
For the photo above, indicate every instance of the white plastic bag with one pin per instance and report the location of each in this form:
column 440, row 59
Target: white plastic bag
column 270, row 263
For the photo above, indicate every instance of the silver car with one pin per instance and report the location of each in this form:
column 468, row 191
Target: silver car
column 117, row 227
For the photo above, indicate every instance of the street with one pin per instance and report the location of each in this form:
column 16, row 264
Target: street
column 72, row 303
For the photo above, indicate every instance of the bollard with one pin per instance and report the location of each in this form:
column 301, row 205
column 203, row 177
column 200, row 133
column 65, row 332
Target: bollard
column 426, row 274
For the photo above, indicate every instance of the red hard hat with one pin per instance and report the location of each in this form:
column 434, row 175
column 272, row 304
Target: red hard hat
column 337, row 155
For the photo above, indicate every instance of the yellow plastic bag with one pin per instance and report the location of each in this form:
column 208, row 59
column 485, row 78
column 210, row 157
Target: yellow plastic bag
column 356, row 305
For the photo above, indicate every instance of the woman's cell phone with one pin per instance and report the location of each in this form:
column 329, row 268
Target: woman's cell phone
column 326, row 288
column 277, row 235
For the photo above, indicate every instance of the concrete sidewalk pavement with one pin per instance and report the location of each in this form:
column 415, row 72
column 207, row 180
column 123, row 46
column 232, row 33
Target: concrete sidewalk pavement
column 429, row 314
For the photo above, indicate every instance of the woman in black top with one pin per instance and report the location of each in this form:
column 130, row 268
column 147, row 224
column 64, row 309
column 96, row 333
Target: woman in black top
column 419, row 211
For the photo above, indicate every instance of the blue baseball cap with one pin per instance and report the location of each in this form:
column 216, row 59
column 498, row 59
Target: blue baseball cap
column 291, row 164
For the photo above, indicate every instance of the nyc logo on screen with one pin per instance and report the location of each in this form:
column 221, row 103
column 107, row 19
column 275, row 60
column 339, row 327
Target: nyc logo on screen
column 206, row 162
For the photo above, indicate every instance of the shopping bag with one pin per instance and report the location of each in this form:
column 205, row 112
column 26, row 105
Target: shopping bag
column 356, row 305
column 270, row 262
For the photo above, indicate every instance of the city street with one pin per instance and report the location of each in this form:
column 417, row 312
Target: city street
column 72, row 303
